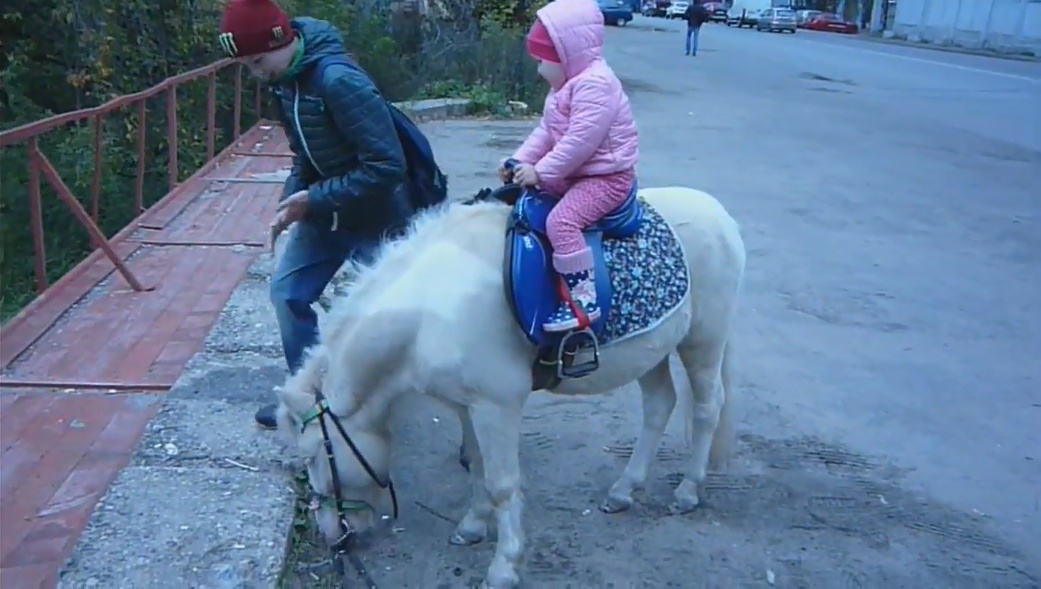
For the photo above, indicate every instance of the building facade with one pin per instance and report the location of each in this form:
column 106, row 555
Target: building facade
column 1007, row 26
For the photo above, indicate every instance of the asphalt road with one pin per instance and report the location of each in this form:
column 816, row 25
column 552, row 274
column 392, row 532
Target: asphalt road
column 891, row 200
column 996, row 98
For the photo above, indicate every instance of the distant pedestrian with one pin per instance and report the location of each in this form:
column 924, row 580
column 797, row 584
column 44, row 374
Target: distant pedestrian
column 696, row 15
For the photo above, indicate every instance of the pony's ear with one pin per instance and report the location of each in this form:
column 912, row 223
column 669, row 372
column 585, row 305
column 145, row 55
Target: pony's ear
column 297, row 402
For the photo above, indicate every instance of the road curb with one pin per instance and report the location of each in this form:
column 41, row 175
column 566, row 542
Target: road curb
column 433, row 109
column 904, row 42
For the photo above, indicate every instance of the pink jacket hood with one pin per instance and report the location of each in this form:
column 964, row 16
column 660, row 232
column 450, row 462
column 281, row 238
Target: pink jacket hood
column 576, row 28
column 587, row 126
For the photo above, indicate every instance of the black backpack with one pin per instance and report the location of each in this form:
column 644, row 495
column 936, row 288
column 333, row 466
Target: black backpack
column 427, row 184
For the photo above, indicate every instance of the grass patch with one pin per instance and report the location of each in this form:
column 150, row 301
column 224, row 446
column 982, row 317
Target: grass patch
column 305, row 547
column 484, row 99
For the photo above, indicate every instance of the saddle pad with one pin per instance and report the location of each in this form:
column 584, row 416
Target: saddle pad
column 649, row 278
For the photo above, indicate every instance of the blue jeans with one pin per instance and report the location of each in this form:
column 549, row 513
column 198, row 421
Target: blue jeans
column 312, row 256
column 692, row 40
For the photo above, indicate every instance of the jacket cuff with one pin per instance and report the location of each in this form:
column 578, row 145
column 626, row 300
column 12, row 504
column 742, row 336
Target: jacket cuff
column 317, row 200
column 545, row 172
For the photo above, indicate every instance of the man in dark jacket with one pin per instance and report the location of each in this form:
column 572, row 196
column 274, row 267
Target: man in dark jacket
column 346, row 189
column 696, row 15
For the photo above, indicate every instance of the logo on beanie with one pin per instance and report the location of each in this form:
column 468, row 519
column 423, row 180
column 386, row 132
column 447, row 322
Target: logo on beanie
column 227, row 43
column 278, row 33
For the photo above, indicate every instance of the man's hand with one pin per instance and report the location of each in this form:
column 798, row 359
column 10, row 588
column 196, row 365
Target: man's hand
column 292, row 209
column 525, row 175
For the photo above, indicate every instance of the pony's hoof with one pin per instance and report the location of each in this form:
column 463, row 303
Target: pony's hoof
column 463, row 538
column 686, row 495
column 683, row 505
column 511, row 581
column 613, row 504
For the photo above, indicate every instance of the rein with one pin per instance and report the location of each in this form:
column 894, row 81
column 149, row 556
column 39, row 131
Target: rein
column 342, row 546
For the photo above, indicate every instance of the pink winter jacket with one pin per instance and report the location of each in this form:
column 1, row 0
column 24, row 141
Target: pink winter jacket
column 587, row 126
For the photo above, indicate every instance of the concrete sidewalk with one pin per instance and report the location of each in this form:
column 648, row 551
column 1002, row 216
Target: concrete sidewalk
column 206, row 501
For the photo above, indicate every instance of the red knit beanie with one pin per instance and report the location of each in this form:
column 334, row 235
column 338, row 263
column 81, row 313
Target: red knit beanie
column 540, row 46
column 250, row 27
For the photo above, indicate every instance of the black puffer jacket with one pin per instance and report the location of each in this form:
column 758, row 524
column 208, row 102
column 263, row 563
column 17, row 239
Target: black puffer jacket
column 346, row 152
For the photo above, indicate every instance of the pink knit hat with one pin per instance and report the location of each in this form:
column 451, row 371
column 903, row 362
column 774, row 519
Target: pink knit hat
column 540, row 46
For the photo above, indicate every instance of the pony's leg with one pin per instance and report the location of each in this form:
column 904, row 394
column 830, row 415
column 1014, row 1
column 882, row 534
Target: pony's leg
column 473, row 528
column 659, row 399
column 704, row 365
column 498, row 433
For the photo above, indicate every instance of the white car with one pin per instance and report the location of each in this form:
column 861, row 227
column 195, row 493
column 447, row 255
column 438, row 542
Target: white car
column 677, row 9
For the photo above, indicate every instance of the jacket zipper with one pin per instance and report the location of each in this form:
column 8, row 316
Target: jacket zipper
column 300, row 130
column 303, row 143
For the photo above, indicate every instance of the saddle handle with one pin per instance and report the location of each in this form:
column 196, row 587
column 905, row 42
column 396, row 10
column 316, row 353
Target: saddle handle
column 509, row 165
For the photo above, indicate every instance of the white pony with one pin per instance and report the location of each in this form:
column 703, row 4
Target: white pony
column 429, row 317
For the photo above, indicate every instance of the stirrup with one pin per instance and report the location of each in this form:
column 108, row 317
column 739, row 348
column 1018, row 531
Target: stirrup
column 566, row 368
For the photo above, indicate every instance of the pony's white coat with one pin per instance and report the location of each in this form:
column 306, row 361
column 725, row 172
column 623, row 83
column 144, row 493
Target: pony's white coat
column 429, row 317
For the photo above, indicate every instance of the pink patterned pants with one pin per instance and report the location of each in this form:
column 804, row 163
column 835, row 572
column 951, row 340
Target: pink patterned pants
column 585, row 201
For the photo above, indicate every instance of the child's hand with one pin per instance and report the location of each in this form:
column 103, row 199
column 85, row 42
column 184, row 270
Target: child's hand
column 504, row 174
column 525, row 175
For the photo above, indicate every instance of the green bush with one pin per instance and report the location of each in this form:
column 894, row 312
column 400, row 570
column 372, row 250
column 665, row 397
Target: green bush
column 62, row 55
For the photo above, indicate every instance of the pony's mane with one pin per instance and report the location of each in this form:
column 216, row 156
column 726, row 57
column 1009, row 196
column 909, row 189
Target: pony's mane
column 430, row 225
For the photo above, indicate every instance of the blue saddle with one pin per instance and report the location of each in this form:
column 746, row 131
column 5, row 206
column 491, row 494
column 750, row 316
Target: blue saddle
column 531, row 283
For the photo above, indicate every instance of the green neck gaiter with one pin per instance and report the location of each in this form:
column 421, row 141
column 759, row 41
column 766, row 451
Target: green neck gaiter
column 294, row 66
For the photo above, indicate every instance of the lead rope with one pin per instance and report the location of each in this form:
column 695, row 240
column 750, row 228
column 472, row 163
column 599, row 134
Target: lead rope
column 341, row 550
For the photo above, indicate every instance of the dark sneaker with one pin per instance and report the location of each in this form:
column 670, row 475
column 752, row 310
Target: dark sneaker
column 266, row 417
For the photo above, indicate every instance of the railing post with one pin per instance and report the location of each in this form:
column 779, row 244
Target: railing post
column 236, row 113
column 95, row 185
column 257, row 101
column 211, row 115
column 139, row 181
column 171, row 135
column 36, row 217
column 81, row 215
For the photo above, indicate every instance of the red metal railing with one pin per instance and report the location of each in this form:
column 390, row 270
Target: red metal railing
column 39, row 164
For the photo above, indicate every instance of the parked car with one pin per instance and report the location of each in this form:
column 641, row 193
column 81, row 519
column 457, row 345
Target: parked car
column 678, row 9
column 717, row 11
column 804, row 16
column 747, row 18
column 776, row 19
column 655, row 7
column 832, row 23
column 616, row 12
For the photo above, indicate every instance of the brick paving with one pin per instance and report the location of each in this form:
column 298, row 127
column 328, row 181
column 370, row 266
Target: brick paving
column 86, row 369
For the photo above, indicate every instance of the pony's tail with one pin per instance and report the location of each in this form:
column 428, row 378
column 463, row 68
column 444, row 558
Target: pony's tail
column 723, row 440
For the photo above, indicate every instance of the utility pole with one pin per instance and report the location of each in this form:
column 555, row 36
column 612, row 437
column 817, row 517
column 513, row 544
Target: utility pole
column 878, row 14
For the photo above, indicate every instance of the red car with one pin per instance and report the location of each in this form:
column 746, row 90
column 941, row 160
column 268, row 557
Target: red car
column 831, row 23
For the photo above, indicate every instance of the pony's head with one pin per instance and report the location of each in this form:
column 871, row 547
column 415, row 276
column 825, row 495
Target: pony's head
column 347, row 483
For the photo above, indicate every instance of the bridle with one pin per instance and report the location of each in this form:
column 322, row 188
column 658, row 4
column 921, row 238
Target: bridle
column 343, row 507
